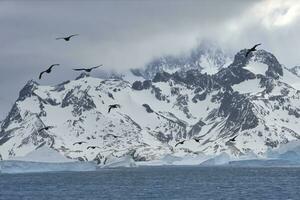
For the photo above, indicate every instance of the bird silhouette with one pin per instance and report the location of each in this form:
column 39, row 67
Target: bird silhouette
column 252, row 49
column 113, row 106
column 87, row 69
column 48, row 70
column 92, row 147
column 46, row 128
column 66, row 38
column 80, row 143
column 233, row 139
column 181, row 142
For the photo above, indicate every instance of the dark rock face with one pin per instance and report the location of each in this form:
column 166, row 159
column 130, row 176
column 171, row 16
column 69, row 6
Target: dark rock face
column 158, row 93
column 194, row 78
column 239, row 112
column 236, row 73
column 196, row 128
column 274, row 67
column 13, row 115
column 233, row 75
column 147, row 84
column 81, row 101
column 161, row 77
column 164, row 137
column 199, row 97
column 295, row 112
column 138, row 85
column 148, row 108
column 27, row 90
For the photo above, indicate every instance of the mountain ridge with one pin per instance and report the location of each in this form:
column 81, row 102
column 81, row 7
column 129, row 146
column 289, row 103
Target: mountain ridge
column 252, row 99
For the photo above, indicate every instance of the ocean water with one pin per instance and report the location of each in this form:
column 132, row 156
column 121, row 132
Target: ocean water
column 155, row 183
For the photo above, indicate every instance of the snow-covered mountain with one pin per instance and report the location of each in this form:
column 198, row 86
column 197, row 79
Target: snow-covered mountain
column 254, row 99
column 207, row 57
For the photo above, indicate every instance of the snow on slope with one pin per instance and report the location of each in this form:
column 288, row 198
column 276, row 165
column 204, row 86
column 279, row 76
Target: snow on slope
column 251, row 99
column 257, row 68
column 290, row 78
column 44, row 154
column 248, row 86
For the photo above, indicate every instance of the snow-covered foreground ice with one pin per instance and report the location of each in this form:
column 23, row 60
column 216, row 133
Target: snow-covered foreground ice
column 286, row 155
column 44, row 159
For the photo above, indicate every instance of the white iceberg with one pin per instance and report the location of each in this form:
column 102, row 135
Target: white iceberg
column 116, row 162
column 170, row 159
column 44, row 159
column 289, row 151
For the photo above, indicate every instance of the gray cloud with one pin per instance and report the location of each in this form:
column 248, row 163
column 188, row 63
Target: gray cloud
column 125, row 34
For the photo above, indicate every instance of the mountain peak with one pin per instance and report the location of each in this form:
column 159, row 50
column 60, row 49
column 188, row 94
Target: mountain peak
column 207, row 57
column 254, row 60
column 27, row 90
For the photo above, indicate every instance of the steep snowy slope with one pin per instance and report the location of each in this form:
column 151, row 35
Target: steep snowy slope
column 254, row 99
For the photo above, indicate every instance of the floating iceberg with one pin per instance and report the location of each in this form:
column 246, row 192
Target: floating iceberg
column 115, row 162
column 44, row 159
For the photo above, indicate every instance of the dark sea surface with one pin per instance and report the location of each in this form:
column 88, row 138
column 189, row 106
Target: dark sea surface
column 155, row 183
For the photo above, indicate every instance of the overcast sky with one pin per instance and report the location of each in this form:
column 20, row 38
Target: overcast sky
column 126, row 34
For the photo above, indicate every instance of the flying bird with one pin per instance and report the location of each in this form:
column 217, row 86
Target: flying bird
column 46, row 128
column 47, row 71
column 233, row 139
column 66, row 38
column 181, row 142
column 113, row 106
column 87, row 69
column 80, row 143
column 92, row 147
column 252, row 49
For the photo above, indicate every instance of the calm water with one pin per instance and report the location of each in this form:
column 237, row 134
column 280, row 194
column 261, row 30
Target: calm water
column 156, row 183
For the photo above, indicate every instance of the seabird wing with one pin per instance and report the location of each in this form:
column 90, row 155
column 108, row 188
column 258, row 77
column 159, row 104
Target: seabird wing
column 72, row 35
column 53, row 66
column 256, row 45
column 40, row 76
column 96, row 66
